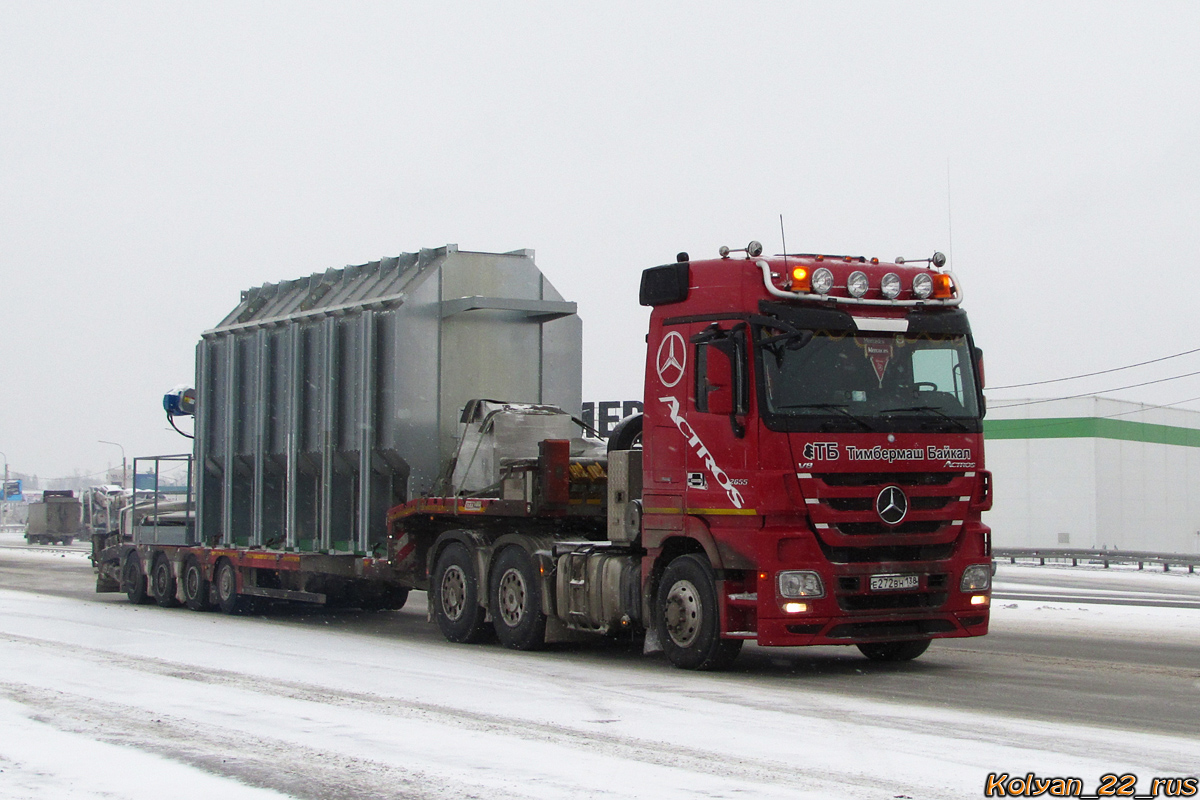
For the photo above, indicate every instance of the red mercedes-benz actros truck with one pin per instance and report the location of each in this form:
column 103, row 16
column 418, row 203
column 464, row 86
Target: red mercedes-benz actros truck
column 808, row 468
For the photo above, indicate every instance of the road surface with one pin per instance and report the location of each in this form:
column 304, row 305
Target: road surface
column 1074, row 696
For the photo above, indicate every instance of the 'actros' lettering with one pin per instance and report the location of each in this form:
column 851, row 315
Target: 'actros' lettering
column 694, row 442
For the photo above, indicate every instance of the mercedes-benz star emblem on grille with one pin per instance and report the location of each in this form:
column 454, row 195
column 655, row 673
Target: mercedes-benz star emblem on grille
column 892, row 505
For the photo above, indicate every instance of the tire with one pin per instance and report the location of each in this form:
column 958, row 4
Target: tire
column 688, row 617
column 516, row 595
column 225, row 581
column 68, row 540
column 627, row 435
column 455, row 596
column 894, row 651
column 162, row 582
column 133, row 581
column 195, row 586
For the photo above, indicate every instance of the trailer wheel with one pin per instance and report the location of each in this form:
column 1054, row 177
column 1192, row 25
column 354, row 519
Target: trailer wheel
column 162, row 582
column 227, row 594
column 133, row 581
column 517, row 601
column 894, row 651
column 455, row 596
column 195, row 586
column 688, row 616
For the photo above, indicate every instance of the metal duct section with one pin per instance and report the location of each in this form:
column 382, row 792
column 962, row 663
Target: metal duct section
column 324, row 401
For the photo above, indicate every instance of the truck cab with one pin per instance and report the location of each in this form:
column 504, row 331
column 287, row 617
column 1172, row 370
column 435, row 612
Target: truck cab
column 812, row 456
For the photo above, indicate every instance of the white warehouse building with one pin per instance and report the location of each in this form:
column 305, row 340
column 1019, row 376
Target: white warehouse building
column 1094, row 473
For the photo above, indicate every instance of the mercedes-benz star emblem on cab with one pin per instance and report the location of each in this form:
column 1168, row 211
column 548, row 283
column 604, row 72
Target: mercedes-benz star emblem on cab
column 672, row 355
column 892, row 505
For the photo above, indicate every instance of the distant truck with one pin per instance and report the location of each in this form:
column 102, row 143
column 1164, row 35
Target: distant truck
column 808, row 470
column 56, row 518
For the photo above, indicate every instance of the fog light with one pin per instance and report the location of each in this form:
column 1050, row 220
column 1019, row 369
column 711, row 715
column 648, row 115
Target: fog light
column 979, row 600
column 795, row 608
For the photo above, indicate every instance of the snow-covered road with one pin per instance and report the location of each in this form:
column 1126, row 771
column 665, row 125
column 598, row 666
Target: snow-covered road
column 100, row 699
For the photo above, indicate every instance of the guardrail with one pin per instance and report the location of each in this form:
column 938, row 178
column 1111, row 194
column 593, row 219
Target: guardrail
column 1105, row 557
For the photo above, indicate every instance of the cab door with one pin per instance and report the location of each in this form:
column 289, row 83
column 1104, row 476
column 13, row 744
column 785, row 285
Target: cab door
column 719, row 455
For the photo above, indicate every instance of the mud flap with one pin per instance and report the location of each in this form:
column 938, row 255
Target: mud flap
column 651, row 644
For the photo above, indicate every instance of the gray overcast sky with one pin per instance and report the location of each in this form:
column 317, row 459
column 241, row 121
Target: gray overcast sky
column 158, row 158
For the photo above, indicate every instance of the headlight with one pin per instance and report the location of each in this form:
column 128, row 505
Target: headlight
column 799, row 583
column 856, row 284
column 922, row 285
column 976, row 578
column 890, row 286
column 822, row 280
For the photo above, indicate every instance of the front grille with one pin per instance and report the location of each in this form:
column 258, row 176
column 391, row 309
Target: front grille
column 891, row 630
column 894, row 552
column 882, row 479
column 883, row 529
column 868, row 503
column 842, row 509
column 881, row 602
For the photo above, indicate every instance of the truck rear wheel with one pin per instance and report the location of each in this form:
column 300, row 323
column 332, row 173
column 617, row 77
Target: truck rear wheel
column 195, row 586
column 227, row 594
column 455, row 600
column 894, row 651
column 517, row 601
column 162, row 582
column 688, row 617
column 133, row 581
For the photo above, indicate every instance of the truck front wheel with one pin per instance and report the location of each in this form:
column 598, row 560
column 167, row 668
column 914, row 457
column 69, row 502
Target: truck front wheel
column 894, row 651
column 517, row 601
column 455, row 596
column 688, row 616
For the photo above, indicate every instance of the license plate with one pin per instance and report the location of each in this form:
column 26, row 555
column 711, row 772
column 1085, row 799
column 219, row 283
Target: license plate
column 887, row 583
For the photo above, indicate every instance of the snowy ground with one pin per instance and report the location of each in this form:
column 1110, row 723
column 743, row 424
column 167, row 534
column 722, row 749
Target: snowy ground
column 100, row 699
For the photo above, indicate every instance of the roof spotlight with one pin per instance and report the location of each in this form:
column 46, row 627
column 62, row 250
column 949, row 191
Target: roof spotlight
column 890, row 286
column 822, row 280
column 922, row 285
column 856, row 284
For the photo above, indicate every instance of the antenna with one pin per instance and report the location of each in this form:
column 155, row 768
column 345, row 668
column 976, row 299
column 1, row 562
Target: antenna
column 783, row 236
column 949, row 212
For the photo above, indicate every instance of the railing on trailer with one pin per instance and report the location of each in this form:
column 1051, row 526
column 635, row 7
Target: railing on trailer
column 158, row 520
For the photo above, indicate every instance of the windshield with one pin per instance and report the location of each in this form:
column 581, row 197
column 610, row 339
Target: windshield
column 867, row 382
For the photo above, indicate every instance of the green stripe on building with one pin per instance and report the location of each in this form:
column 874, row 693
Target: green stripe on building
column 1090, row 428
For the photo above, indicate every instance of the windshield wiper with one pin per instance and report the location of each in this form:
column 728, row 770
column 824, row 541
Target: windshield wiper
column 838, row 407
column 933, row 409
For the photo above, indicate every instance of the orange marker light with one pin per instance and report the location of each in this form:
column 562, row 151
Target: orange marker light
column 800, row 280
